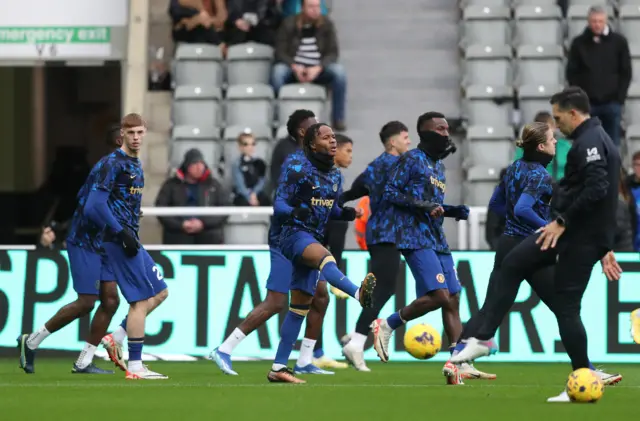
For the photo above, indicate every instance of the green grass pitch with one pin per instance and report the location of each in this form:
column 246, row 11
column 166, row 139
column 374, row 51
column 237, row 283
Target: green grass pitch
column 393, row 391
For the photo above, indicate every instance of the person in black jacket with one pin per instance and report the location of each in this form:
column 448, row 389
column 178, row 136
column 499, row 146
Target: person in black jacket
column 599, row 62
column 192, row 185
column 625, row 218
column 494, row 225
column 586, row 201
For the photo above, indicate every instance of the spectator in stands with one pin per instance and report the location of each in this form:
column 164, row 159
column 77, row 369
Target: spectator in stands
column 297, row 125
column 633, row 187
column 494, row 226
column 626, row 217
column 192, row 185
column 252, row 20
column 53, row 236
column 198, row 21
column 556, row 166
column 249, row 175
column 293, row 7
column 599, row 62
column 307, row 52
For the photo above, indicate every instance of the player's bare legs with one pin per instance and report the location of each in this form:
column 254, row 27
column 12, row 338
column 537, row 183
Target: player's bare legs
column 135, row 331
column 298, row 310
column 313, row 331
column 317, row 256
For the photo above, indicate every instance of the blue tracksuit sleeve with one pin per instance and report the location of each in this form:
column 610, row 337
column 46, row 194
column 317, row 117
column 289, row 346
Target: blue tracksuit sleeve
column 524, row 211
column 98, row 210
column 395, row 191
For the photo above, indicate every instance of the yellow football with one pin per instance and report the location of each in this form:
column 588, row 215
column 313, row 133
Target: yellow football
column 422, row 341
column 584, row 385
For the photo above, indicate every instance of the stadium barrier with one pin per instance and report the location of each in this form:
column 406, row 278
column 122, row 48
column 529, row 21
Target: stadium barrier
column 212, row 291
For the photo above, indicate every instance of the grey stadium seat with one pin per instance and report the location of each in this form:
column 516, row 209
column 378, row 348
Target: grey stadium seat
column 246, row 229
column 282, row 132
column 634, row 50
column 490, row 3
column 489, row 105
column 196, row 106
column 205, row 139
column 249, row 105
column 486, row 25
column 487, row 65
column 633, row 138
column 481, row 181
column 630, row 22
column 294, row 96
column 540, row 65
column 517, row 3
column 628, row 2
column 249, row 63
column 535, row 98
column 262, row 135
column 632, row 105
column 577, row 18
column 538, row 25
column 487, row 145
column 197, row 64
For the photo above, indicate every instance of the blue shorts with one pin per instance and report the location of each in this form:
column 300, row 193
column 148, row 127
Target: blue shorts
column 432, row 270
column 88, row 268
column 304, row 278
column 281, row 272
column 138, row 277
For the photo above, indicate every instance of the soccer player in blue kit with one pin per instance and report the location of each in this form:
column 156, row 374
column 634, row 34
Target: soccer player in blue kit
column 416, row 188
column 114, row 203
column 305, row 200
column 92, row 280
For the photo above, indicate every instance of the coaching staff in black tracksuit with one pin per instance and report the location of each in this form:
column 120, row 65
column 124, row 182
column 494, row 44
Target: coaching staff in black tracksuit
column 585, row 202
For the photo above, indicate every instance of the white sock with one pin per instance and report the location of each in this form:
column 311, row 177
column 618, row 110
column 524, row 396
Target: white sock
column 357, row 294
column 306, row 352
column 119, row 335
column 134, row 365
column 358, row 340
column 34, row 340
column 86, row 356
column 276, row 367
column 232, row 341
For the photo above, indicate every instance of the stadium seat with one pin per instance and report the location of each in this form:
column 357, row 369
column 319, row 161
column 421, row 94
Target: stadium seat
column 632, row 105
column 490, row 3
column 196, row 106
column 249, row 63
column 197, row 64
column 628, row 2
column 246, row 229
column 487, row 145
column 486, row 25
column 489, row 105
column 205, row 138
column 538, row 25
column 633, row 138
column 295, row 96
column 249, row 105
column 577, row 18
column 487, row 65
column 481, row 181
column 545, row 3
column 262, row 135
column 630, row 22
column 282, row 132
column 590, row 3
column 540, row 65
column 535, row 98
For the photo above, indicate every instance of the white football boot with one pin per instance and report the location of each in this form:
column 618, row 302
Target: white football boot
column 355, row 357
column 381, row 337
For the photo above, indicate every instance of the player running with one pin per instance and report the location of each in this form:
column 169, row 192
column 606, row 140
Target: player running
column 380, row 235
column 114, row 203
column 305, row 200
column 581, row 235
column 93, row 280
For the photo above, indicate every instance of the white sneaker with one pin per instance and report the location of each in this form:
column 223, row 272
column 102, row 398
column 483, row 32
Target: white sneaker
column 145, row 374
column 381, row 337
column 609, row 379
column 563, row 397
column 468, row 371
column 473, row 350
column 328, row 362
column 355, row 357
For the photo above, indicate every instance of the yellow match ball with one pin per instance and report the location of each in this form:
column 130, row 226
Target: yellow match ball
column 422, row 341
column 584, row 385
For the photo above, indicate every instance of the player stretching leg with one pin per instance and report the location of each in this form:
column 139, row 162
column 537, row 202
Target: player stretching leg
column 306, row 199
column 581, row 235
column 380, row 235
column 281, row 271
column 311, row 353
column 88, row 264
column 114, row 203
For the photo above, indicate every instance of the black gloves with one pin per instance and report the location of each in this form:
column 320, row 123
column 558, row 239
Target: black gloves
column 348, row 213
column 129, row 243
column 459, row 212
column 301, row 214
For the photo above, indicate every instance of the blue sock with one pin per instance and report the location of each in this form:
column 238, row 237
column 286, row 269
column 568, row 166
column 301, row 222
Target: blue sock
column 289, row 332
column 318, row 353
column 459, row 347
column 124, row 323
column 395, row 321
column 135, row 348
column 591, row 367
column 335, row 277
